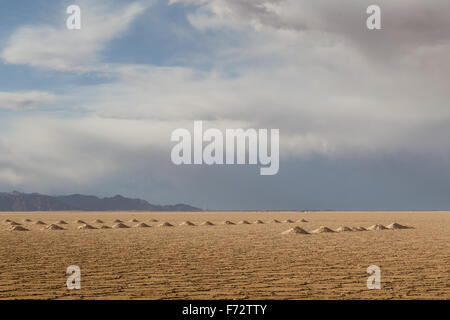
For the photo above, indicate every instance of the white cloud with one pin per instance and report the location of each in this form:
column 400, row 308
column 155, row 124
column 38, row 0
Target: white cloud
column 50, row 150
column 19, row 101
column 57, row 48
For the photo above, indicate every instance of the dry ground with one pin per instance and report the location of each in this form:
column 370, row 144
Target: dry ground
column 227, row 261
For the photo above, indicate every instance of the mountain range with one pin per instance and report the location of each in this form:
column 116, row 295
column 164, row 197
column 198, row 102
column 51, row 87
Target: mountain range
column 18, row 201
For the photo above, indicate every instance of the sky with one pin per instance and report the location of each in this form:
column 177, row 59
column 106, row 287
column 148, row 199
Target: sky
column 364, row 115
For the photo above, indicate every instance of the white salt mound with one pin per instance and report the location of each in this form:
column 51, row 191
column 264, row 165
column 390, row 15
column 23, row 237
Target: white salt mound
column 53, row 227
column 117, row 221
column 295, row 230
column 165, row 224
column 395, row 226
column 259, row 222
column 377, row 227
column 80, row 222
column 120, row 226
column 17, row 228
column 142, row 225
column 86, row 227
column 288, row 221
column 243, row 222
column 207, row 223
column 322, row 229
column 40, row 222
column 228, row 222
column 343, row 229
column 61, row 222
column 98, row 221
column 133, row 220
column 302, row 220
column 276, row 221
column 187, row 223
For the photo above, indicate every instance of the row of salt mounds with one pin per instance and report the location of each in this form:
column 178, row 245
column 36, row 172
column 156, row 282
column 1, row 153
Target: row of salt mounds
column 243, row 222
column 322, row 229
column 287, row 221
column 14, row 226
column 165, row 224
column 256, row 222
column 377, row 227
column 144, row 225
column 206, row 223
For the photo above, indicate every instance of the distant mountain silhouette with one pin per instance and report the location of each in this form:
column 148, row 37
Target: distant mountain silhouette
column 17, row 201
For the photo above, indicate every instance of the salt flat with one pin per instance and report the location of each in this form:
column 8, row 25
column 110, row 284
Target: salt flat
column 225, row 261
